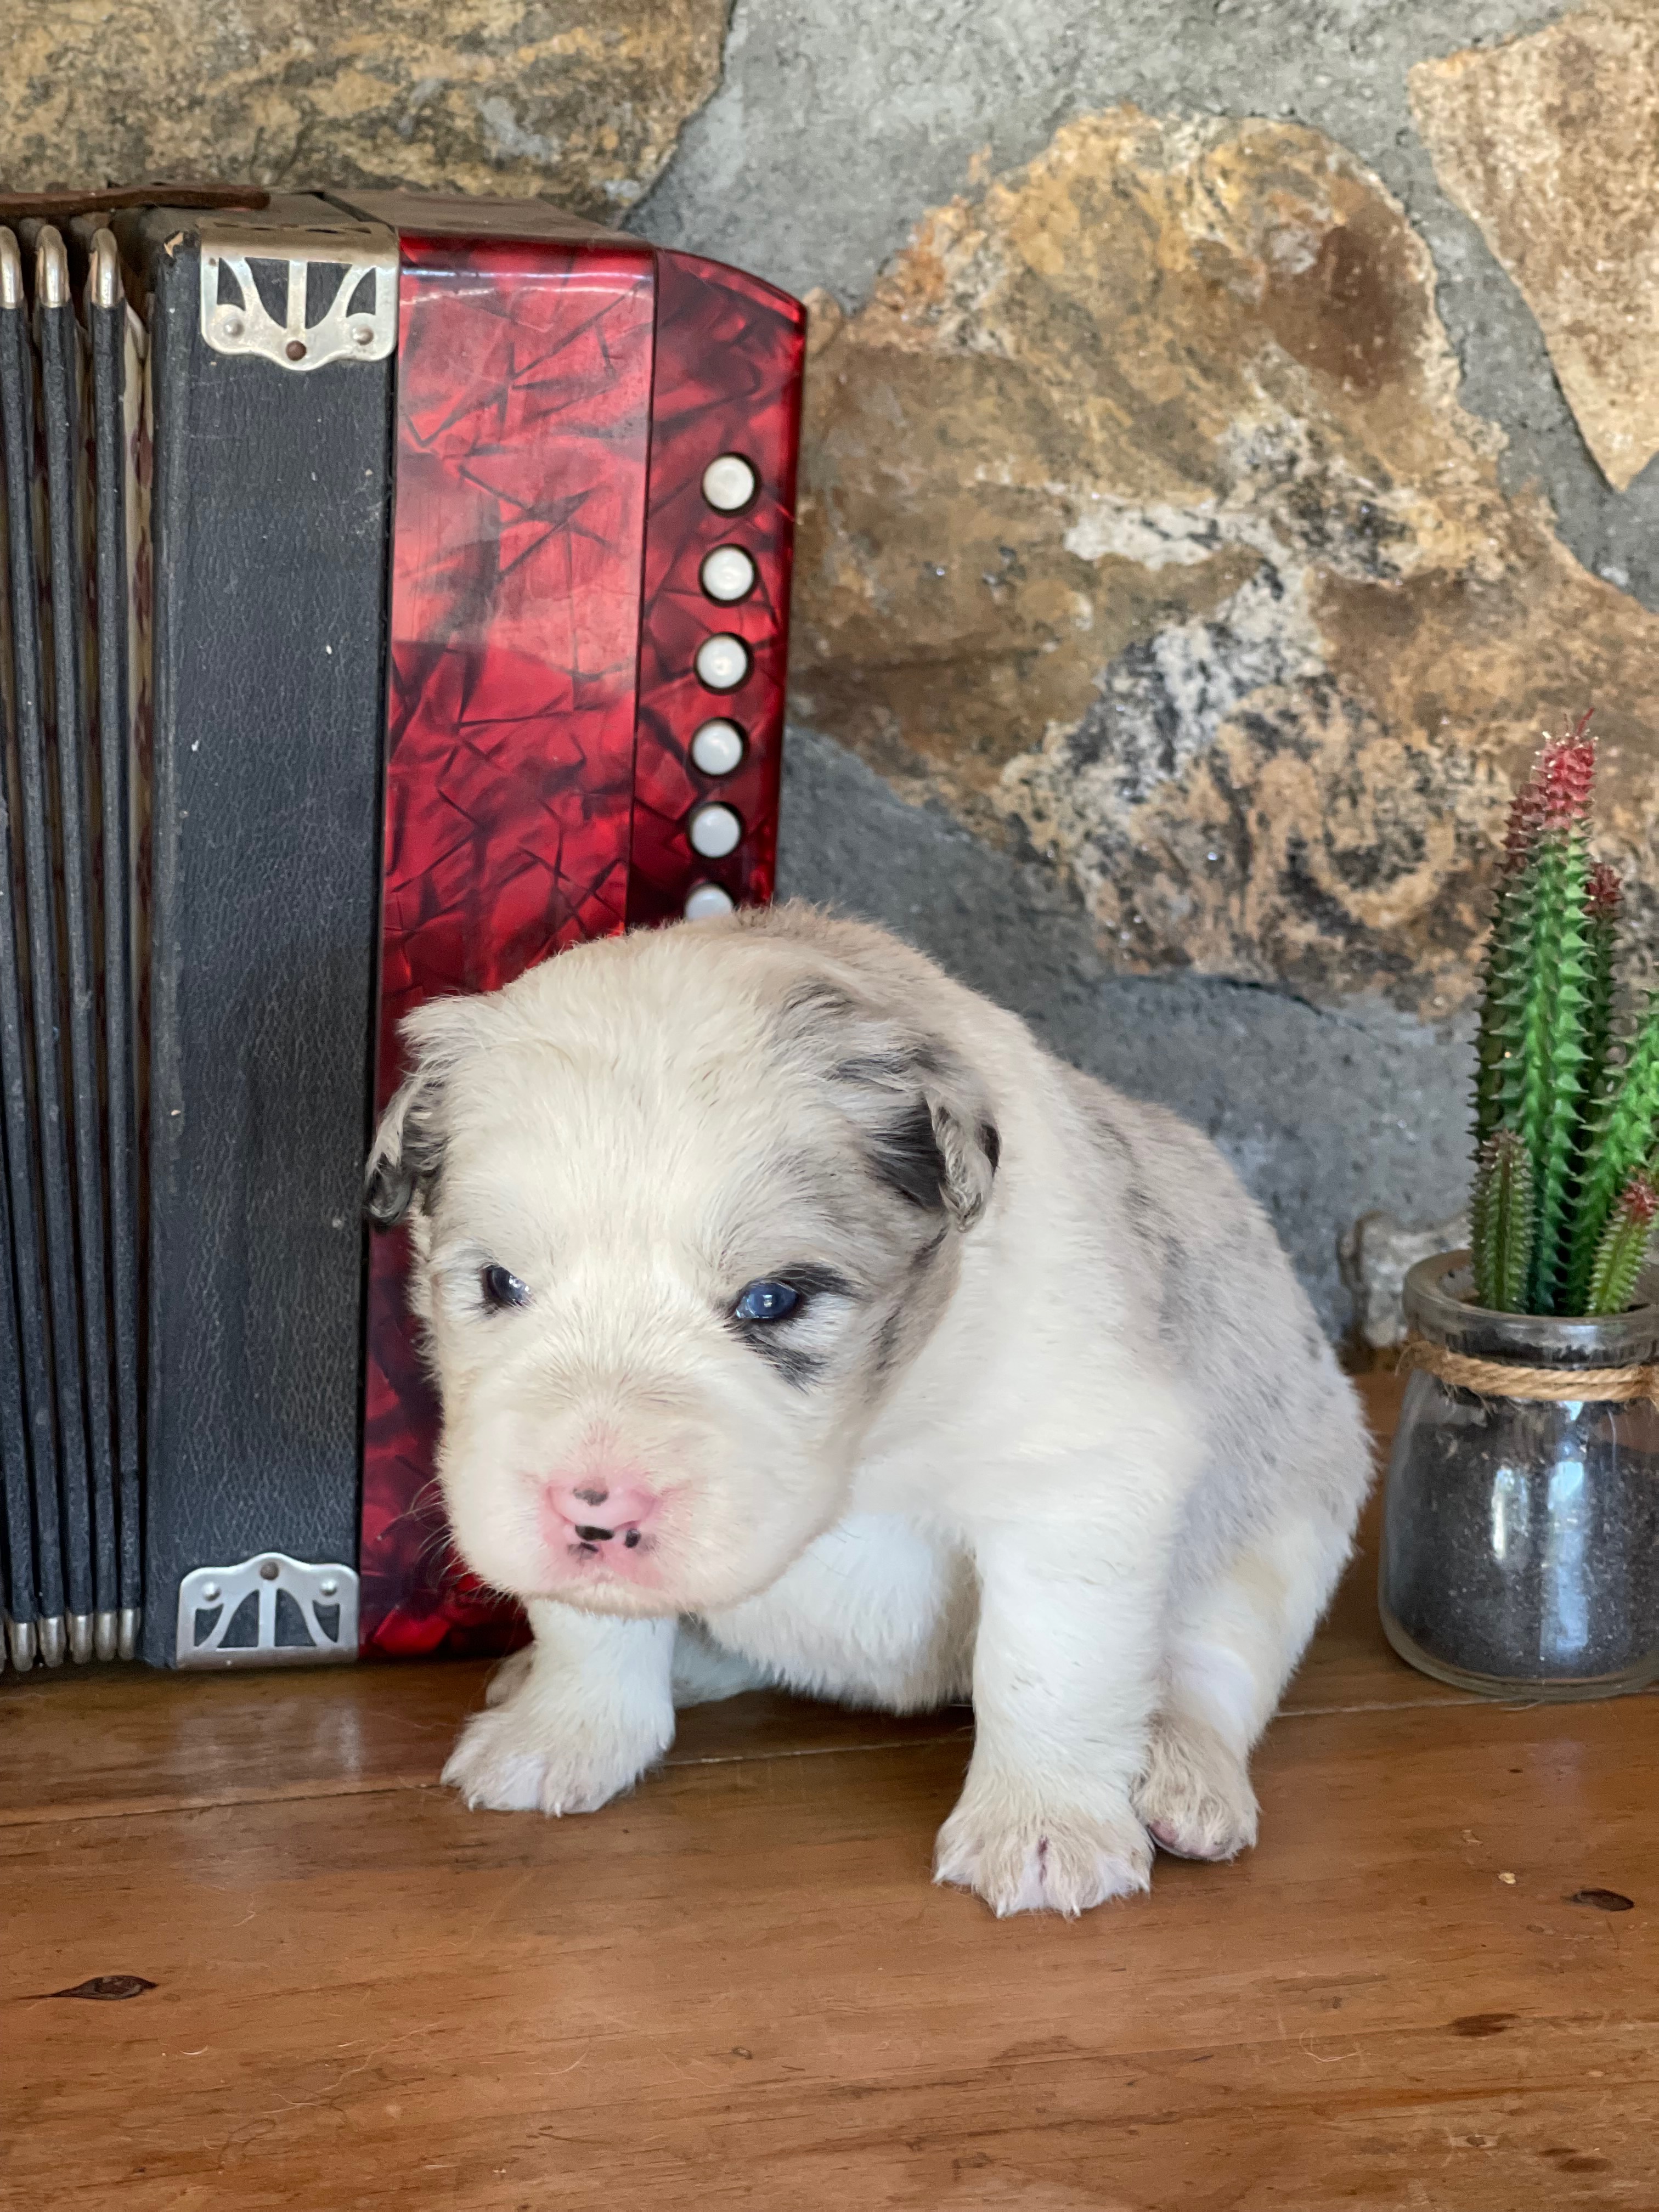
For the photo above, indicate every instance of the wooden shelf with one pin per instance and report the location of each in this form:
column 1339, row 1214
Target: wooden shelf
column 738, row 1988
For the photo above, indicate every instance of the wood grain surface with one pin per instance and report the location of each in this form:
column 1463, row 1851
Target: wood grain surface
column 738, row 1988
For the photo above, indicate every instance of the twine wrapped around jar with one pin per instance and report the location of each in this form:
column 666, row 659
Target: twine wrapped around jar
column 1555, row 1386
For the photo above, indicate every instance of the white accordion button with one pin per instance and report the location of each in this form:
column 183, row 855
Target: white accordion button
column 707, row 901
column 723, row 662
column 729, row 484
column 727, row 573
column 717, row 748
column 714, row 831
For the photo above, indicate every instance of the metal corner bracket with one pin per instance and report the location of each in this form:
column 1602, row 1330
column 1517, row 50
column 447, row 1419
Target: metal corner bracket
column 245, row 325
column 219, row 1592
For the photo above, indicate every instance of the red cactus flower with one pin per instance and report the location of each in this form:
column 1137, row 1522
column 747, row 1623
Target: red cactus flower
column 1638, row 1201
column 1604, row 894
column 1565, row 779
column 1556, row 795
column 1521, row 832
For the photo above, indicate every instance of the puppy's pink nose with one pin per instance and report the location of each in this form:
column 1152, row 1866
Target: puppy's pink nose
column 604, row 1508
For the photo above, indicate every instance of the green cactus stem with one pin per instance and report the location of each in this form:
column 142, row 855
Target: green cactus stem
column 1623, row 1246
column 1555, row 1001
column 1566, row 1118
column 1503, row 1219
column 1603, row 901
column 1549, row 816
column 1511, row 929
column 1496, row 1070
column 1623, row 1141
column 1541, row 1003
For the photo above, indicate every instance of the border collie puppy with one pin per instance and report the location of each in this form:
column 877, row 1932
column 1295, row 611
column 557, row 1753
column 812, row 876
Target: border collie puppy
column 799, row 1321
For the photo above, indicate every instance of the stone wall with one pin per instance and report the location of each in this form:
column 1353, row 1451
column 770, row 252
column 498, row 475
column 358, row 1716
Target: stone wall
column 1228, row 444
column 1143, row 527
column 580, row 99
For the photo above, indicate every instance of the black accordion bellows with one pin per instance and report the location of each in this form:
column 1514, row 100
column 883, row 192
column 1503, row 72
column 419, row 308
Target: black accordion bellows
column 69, row 1354
column 69, row 1301
column 195, row 582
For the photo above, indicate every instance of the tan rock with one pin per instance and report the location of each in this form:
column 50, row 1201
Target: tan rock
column 1551, row 144
column 580, row 101
column 1141, row 525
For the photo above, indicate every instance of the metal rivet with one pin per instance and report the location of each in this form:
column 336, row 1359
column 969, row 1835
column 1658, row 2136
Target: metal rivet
column 329, row 1588
column 727, row 573
column 362, row 333
column 722, row 662
column 706, row 901
column 714, row 831
column 717, row 748
column 232, row 326
column 210, row 1593
column 729, row 482
column 269, row 1570
column 294, row 350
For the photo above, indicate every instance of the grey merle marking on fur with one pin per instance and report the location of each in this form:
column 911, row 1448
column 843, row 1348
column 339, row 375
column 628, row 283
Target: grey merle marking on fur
column 409, row 1168
column 809, row 1280
column 907, row 1158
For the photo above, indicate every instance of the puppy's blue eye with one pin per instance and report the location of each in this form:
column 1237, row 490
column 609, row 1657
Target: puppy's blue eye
column 766, row 1302
column 501, row 1288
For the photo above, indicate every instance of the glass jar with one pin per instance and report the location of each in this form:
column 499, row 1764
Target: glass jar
column 1519, row 1537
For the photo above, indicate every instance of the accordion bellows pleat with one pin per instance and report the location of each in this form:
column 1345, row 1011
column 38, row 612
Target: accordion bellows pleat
column 356, row 591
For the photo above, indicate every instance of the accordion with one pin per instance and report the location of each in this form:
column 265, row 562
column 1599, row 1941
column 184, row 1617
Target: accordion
column 396, row 593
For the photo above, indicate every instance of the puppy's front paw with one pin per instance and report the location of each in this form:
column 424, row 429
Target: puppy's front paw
column 515, row 1758
column 1194, row 1795
column 1024, row 1856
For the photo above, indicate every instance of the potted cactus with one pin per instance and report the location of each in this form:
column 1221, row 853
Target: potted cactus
column 1521, row 1545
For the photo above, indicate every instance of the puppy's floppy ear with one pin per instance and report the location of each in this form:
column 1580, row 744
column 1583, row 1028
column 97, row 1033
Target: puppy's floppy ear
column 923, row 1115
column 969, row 1146
column 407, row 1151
column 406, row 1156
column 941, row 1150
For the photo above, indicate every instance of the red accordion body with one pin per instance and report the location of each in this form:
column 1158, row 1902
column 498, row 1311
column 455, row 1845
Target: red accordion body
column 561, row 397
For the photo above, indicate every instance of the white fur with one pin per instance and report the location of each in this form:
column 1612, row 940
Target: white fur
column 1071, row 1442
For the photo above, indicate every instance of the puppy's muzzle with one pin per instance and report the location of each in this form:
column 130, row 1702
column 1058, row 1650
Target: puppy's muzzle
column 602, row 1515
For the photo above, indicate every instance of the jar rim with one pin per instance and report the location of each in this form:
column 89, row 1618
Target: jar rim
column 1439, row 1303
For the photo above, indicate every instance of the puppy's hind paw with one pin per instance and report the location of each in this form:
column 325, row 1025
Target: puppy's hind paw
column 505, row 1762
column 1195, row 1795
column 1032, row 1859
